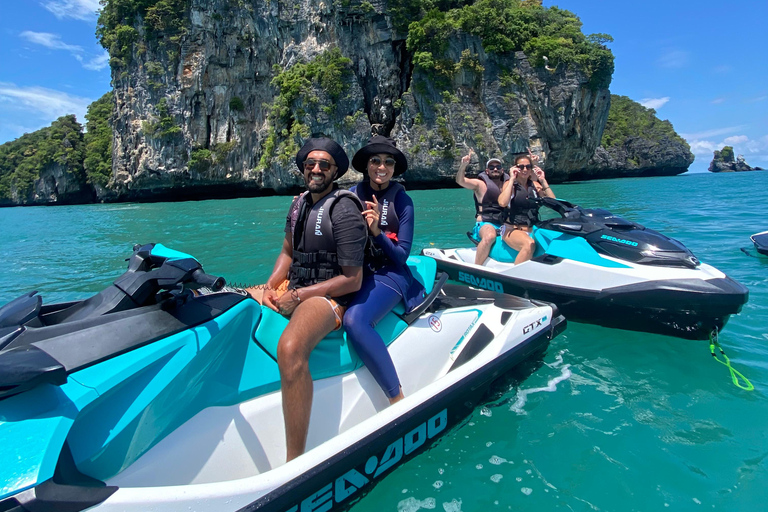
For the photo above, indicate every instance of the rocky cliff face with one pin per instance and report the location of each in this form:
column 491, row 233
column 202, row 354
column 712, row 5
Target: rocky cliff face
column 57, row 184
column 638, row 156
column 723, row 161
column 210, row 119
column 636, row 142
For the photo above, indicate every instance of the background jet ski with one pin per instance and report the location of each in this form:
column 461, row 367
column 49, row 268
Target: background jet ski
column 600, row 268
column 761, row 242
column 148, row 396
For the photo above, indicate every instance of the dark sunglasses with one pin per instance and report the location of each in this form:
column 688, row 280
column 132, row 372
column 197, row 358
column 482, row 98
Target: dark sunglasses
column 527, row 166
column 375, row 160
column 494, row 167
column 324, row 165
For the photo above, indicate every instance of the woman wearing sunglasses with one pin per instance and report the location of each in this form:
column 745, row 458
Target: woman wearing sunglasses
column 386, row 279
column 517, row 195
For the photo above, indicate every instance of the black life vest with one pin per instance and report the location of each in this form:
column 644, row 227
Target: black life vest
column 523, row 210
column 314, row 247
column 389, row 222
column 491, row 211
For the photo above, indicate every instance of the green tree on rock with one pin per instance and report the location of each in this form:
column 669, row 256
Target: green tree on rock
column 98, row 140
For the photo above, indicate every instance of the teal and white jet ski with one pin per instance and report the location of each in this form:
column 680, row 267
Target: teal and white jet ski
column 152, row 396
column 600, row 268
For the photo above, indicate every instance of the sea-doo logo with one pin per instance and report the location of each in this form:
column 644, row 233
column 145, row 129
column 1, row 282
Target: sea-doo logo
column 486, row 284
column 384, row 210
column 319, row 220
column 619, row 240
column 533, row 325
column 353, row 480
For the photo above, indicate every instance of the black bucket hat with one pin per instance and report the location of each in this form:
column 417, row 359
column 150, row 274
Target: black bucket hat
column 329, row 146
column 379, row 144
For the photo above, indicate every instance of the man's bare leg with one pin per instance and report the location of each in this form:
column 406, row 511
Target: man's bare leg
column 311, row 322
column 487, row 239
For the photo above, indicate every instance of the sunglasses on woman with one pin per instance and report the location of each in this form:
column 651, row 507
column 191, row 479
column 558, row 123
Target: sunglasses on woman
column 527, row 166
column 324, row 165
column 376, row 161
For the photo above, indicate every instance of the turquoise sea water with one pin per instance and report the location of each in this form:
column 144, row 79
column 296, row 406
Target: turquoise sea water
column 608, row 420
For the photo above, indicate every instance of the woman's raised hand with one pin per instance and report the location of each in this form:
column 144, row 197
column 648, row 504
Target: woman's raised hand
column 533, row 158
column 372, row 216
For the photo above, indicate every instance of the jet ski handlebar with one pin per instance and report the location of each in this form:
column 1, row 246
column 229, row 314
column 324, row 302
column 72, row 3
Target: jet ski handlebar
column 564, row 208
column 154, row 272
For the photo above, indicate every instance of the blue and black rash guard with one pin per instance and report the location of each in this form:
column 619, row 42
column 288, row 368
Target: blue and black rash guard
column 395, row 239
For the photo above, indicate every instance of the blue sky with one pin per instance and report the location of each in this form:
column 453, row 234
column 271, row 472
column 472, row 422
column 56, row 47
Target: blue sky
column 703, row 65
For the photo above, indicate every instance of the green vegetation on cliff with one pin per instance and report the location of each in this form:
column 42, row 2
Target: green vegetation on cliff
column 725, row 154
column 506, row 26
column 298, row 89
column 164, row 21
column 627, row 119
column 23, row 160
column 98, row 140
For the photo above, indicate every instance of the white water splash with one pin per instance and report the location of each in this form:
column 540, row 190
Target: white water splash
column 453, row 506
column 551, row 387
column 497, row 478
column 412, row 504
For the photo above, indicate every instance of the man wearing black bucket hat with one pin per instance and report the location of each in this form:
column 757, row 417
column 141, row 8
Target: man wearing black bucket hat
column 315, row 276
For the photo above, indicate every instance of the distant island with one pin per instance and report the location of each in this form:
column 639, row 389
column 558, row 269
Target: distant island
column 212, row 99
column 724, row 162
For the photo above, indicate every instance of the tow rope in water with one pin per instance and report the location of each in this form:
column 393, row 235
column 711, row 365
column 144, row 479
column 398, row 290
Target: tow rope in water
column 735, row 374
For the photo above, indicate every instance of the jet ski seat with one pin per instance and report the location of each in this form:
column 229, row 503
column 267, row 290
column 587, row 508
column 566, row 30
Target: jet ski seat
column 334, row 355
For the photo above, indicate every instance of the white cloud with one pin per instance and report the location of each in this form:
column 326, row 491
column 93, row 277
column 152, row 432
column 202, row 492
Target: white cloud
column 52, row 41
column 97, row 63
column 736, row 139
column 711, row 133
column 654, row 103
column 42, row 102
column 78, row 9
column 673, row 59
column 717, row 101
column 722, row 69
column 752, row 149
column 757, row 99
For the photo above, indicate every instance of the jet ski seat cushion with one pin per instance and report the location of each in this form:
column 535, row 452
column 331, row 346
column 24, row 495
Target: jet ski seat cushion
column 333, row 355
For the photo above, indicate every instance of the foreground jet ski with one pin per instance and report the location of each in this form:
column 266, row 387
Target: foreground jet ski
column 600, row 268
column 149, row 396
column 761, row 242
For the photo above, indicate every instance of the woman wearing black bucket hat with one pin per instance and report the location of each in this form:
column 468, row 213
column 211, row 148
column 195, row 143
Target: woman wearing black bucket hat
column 387, row 279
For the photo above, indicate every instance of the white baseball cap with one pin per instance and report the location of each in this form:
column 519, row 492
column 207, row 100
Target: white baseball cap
column 492, row 160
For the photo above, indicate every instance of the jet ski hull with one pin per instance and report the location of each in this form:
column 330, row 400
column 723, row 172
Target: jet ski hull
column 761, row 242
column 685, row 303
column 181, row 409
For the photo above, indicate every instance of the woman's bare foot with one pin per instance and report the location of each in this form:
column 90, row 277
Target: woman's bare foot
column 397, row 398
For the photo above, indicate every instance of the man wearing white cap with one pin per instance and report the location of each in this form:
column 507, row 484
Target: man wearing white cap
column 489, row 214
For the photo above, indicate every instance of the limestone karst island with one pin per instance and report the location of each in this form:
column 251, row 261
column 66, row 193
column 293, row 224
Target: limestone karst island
column 212, row 98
